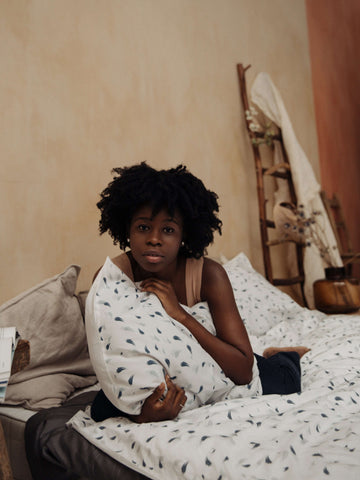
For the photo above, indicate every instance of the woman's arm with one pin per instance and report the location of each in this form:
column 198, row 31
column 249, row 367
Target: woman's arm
column 231, row 347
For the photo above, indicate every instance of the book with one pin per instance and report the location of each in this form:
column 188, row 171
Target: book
column 9, row 338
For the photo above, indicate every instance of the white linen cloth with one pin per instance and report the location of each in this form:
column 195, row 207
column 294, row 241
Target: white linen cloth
column 267, row 98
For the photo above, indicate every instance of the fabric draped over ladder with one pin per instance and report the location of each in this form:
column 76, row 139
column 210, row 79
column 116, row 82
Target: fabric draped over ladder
column 267, row 98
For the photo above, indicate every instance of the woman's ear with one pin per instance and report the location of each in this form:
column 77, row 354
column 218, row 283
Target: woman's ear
column 128, row 235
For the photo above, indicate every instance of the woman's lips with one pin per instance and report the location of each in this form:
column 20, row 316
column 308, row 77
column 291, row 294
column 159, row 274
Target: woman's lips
column 153, row 257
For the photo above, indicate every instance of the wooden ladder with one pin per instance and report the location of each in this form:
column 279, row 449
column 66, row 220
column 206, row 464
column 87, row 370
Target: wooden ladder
column 281, row 171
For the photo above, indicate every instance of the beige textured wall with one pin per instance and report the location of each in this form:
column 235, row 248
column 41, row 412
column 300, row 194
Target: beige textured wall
column 86, row 85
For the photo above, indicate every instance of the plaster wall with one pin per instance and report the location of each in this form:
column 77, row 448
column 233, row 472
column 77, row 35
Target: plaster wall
column 87, row 85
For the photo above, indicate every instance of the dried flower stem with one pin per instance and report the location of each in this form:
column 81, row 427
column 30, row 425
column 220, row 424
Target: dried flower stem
column 262, row 133
column 306, row 229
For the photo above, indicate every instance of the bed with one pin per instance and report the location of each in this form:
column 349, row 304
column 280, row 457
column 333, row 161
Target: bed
column 315, row 434
column 312, row 435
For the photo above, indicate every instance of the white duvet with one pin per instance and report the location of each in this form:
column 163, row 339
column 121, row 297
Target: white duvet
column 312, row 435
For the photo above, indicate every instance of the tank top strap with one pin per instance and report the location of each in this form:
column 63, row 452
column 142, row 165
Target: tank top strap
column 193, row 278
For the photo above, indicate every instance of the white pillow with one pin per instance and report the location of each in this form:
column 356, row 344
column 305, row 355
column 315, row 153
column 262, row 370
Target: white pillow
column 132, row 342
column 261, row 304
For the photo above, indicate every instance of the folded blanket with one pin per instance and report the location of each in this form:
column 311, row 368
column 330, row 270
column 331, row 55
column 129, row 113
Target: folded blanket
column 133, row 343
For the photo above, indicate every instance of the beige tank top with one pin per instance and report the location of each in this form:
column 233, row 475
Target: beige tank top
column 193, row 276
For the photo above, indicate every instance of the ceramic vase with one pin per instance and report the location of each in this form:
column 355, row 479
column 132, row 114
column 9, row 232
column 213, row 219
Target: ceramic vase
column 337, row 293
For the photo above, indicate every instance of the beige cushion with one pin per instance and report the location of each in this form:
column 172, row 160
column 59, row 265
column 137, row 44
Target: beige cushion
column 49, row 316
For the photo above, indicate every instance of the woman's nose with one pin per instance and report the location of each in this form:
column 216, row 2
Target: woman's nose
column 154, row 238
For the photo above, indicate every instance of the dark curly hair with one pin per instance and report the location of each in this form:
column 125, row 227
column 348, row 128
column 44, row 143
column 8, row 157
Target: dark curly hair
column 174, row 189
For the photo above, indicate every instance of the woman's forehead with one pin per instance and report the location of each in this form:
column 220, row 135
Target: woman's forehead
column 151, row 212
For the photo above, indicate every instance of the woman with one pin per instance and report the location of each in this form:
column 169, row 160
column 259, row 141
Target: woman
column 167, row 218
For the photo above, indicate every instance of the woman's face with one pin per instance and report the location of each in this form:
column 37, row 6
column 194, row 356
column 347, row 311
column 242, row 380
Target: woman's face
column 155, row 240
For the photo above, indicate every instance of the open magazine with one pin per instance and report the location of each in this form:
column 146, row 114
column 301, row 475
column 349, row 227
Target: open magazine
column 9, row 337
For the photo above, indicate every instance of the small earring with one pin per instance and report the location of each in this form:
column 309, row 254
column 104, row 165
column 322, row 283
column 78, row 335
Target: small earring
column 183, row 243
column 128, row 240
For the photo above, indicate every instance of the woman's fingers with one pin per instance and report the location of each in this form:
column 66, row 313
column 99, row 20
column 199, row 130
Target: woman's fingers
column 150, row 281
column 158, row 392
column 160, row 406
column 151, row 284
column 175, row 396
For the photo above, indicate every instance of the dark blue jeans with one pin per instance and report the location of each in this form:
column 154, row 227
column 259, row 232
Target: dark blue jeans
column 280, row 373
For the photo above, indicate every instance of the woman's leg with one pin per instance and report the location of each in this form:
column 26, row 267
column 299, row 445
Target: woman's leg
column 280, row 373
column 102, row 408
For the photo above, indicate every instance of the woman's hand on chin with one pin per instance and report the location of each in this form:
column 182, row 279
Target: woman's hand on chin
column 167, row 296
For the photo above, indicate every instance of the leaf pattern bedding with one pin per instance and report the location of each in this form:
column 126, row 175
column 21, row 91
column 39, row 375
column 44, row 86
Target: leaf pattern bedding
column 311, row 435
column 133, row 342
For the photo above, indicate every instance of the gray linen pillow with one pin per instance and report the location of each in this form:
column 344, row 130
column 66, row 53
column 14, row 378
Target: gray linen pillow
column 49, row 316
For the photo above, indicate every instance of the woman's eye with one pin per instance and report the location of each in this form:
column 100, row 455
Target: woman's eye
column 142, row 228
column 169, row 229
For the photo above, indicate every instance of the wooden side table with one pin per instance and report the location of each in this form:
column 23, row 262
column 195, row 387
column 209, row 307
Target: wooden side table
column 20, row 361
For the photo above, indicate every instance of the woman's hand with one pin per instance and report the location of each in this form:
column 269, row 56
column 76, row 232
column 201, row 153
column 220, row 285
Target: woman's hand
column 167, row 296
column 158, row 408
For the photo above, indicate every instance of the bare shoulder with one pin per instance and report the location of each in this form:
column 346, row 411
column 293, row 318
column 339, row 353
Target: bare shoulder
column 213, row 271
column 214, row 279
column 218, row 292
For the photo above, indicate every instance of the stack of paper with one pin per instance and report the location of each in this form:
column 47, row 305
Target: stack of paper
column 8, row 340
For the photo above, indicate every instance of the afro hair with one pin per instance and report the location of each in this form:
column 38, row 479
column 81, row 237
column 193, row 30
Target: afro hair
column 173, row 189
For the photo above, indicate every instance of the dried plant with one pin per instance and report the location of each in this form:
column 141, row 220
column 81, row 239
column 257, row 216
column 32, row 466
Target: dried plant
column 263, row 132
column 306, row 229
